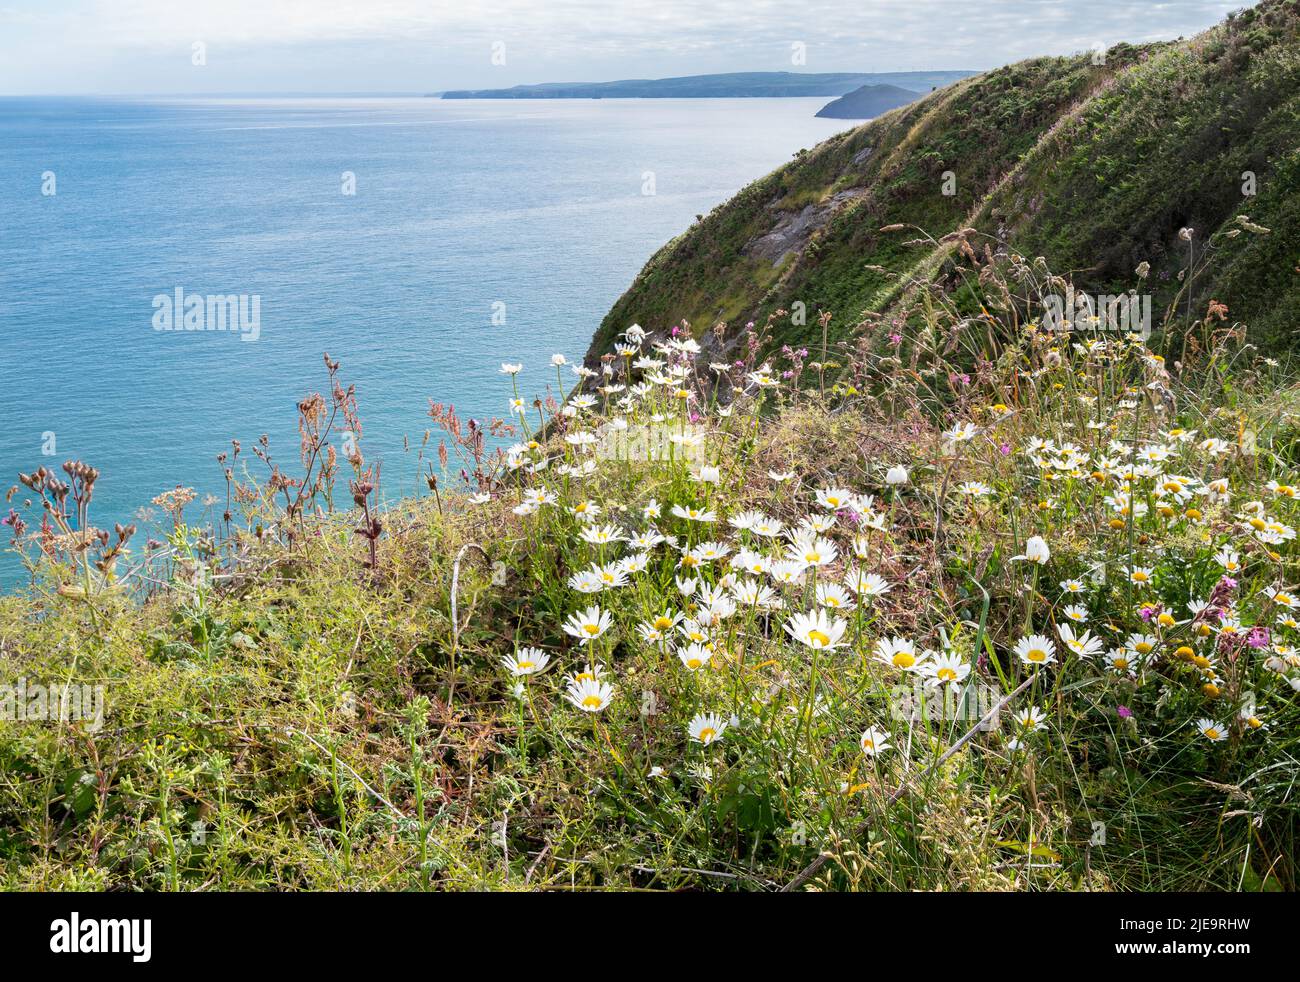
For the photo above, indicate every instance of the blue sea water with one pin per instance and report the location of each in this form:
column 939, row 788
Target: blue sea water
column 459, row 208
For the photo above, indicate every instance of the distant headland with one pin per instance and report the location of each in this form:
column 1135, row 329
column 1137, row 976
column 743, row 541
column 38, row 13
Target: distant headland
column 725, row 86
column 868, row 102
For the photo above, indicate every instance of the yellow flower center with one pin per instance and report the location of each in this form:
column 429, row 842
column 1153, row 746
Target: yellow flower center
column 591, row 702
column 592, row 629
column 1037, row 654
column 1212, row 733
column 946, row 675
column 1121, row 663
column 524, row 666
column 904, row 660
column 1139, row 577
column 663, row 623
column 1143, row 647
column 820, row 639
column 707, row 734
column 693, row 663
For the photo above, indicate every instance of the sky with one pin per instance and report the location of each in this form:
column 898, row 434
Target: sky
column 120, row 47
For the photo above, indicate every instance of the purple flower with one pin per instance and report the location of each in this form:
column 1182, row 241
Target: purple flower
column 1124, row 712
column 1258, row 638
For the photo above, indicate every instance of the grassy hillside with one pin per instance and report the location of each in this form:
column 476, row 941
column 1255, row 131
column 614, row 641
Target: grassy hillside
column 1037, row 632
column 1096, row 167
column 994, row 608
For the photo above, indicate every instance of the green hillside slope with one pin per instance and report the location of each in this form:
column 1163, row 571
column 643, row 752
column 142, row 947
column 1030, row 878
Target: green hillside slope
column 1096, row 167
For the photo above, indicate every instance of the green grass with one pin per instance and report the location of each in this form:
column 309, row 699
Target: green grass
column 1094, row 167
column 287, row 710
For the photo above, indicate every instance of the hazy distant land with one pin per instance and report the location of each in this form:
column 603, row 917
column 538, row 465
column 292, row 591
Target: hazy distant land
column 725, row 86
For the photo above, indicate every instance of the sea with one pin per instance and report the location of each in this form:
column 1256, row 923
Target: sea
column 420, row 242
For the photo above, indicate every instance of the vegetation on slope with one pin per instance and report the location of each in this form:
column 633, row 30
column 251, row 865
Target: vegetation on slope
column 1096, row 167
column 670, row 643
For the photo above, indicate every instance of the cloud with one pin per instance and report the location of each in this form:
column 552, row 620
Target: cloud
column 337, row 45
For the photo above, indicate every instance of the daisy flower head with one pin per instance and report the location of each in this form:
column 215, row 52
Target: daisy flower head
column 694, row 656
column 691, row 513
column 585, row 511
column 706, row 728
column 1120, row 661
column 961, row 433
column 694, row 631
column 1031, row 720
column 526, row 661
column 832, row 499
column 946, row 668
column 666, row 621
column 1076, row 613
column 787, row 571
column 1035, row 650
column 899, row 653
column 874, row 741
column 587, row 625
column 816, row 630
column 832, row 596
column 1083, row 645
column 813, row 550
column 1141, row 644
column 1282, row 597
column 589, row 694
column 1212, row 731
column 752, row 593
column 599, row 535
column 586, row 581
column 866, row 584
column 974, row 489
